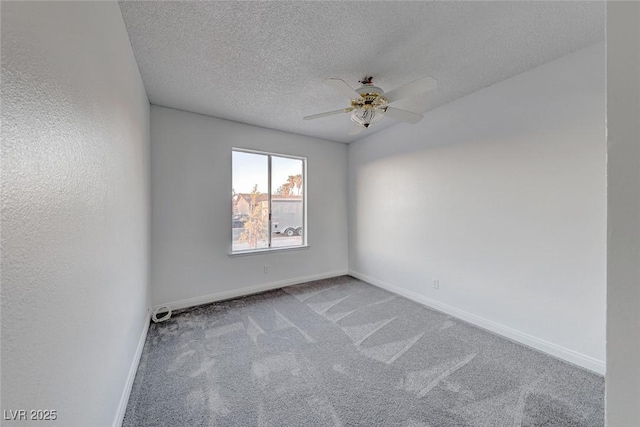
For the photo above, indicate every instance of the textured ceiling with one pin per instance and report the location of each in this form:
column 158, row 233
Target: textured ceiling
column 263, row 63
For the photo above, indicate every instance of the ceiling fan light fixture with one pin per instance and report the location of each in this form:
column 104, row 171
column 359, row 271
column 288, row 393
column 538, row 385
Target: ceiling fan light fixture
column 370, row 107
column 367, row 116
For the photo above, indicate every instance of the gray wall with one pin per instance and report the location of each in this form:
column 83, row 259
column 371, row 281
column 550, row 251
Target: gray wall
column 191, row 209
column 501, row 196
column 75, row 209
column 623, row 168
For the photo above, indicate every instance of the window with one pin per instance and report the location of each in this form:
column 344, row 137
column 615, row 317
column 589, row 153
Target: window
column 268, row 201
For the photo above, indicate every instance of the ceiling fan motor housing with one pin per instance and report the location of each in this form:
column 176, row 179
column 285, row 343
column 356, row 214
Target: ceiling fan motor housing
column 369, row 88
column 371, row 97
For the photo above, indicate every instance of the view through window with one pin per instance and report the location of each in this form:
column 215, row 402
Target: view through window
column 268, row 201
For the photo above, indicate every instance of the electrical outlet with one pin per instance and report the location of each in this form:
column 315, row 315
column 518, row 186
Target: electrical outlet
column 436, row 284
column 266, row 269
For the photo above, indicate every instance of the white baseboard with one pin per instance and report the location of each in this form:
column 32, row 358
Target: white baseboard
column 235, row 293
column 122, row 407
column 588, row 362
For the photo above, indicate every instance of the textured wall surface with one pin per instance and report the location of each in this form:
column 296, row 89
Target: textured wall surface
column 191, row 207
column 263, row 63
column 623, row 243
column 75, row 207
column 501, row 196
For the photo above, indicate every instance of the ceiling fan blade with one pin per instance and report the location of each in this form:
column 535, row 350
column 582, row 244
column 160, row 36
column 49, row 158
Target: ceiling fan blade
column 343, row 88
column 355, row 129
column 328, row 113
column 403, row 115
column 425, row 84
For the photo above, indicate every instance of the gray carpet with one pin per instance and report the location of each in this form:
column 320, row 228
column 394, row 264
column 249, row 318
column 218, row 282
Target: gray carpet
column 340, row 352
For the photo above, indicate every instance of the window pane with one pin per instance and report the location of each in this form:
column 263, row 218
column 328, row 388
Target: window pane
column 250, row 220
column 287, row 201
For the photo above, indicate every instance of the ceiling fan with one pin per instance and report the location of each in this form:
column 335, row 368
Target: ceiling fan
column 369, row 103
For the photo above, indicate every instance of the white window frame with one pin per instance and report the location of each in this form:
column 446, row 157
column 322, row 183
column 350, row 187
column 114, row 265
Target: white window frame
column 305, row 237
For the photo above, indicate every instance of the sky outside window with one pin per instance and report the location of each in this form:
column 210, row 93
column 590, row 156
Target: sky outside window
column 250, row 169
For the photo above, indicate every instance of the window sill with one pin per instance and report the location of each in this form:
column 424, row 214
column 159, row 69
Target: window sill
column 269, row 250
